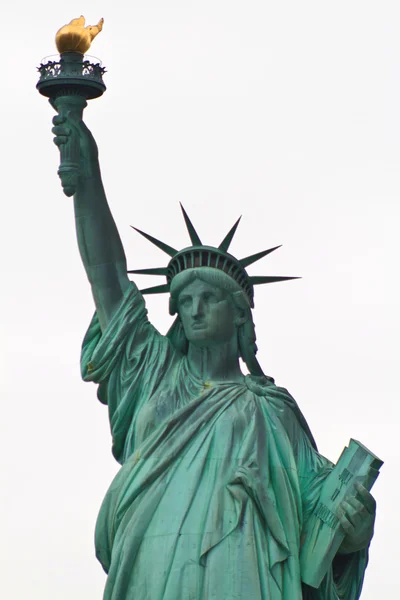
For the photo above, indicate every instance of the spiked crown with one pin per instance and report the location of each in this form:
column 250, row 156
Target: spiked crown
column 199, row 255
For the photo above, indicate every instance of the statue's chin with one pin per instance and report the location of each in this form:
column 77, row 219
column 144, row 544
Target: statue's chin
column 200, row 338
column 205, row 340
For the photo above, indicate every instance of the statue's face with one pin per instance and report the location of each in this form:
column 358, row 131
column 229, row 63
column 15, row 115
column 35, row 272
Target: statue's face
column 207, row 314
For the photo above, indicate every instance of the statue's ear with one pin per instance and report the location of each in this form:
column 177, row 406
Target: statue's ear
column 241, row 317
column 240, row 300
column 242, row 307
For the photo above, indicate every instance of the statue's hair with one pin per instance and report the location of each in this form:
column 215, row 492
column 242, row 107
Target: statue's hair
column 246, row 331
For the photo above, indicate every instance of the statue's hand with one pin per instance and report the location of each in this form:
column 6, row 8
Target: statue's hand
column 357, row 518
column 70, row 131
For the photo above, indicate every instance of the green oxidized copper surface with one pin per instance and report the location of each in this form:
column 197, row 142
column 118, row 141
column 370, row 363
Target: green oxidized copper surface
column 71, row 75
column 200, row 255
column 222, row 492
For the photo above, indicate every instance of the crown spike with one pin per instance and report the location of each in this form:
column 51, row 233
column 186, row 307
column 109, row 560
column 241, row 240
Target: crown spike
column 224, row 245
column 156, row 271
column 164, row 247
column 196, row 241
column 249, row 260
column 157, row 289
column 258, row 280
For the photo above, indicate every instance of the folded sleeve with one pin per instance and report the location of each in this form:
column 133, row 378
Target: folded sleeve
column 127, row 360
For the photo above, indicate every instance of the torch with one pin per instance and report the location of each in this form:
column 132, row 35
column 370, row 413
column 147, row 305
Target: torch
column 69, row 81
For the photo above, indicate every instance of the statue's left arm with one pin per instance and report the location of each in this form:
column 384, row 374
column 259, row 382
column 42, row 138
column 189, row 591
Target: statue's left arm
column 345, row 578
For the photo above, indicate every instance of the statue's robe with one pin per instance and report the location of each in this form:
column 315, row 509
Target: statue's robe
column 217, row 479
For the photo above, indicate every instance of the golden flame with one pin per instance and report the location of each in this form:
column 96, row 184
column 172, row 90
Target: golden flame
column 75, row 37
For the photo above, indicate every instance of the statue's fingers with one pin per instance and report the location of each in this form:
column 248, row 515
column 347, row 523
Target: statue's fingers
column 58, row 120
column 60, row 130
column 344, row 522
column 358, row 506
column 352, row 513
column 74, row 124
column 366, row 498
column 60, row 140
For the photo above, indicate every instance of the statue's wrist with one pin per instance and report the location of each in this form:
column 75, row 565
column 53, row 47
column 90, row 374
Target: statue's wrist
column 91, row 169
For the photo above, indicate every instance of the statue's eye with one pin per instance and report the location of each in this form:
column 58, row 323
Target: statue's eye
column 209, row 297
column 185, row 301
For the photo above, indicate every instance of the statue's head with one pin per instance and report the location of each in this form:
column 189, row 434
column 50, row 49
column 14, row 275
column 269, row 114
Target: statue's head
column 212, row 309
column 204, row 299
column 212, row 294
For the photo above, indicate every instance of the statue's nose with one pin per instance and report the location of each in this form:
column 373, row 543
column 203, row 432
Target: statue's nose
column 197, row 308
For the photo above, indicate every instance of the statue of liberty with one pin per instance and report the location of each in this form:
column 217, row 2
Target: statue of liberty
column 219, row 470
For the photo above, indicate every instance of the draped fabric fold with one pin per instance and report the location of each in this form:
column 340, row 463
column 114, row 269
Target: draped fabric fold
column 216, row 479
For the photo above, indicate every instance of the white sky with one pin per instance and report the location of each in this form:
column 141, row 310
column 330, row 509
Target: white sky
column 286, row 112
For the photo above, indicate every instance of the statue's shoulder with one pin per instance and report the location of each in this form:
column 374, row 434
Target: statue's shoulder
column 265, row 386
column 278, row 398
column 283, row 404
column 259, row 385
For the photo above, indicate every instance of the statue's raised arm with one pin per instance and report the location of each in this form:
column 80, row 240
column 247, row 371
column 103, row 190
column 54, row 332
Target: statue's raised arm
column 69, row 81
column 98, row 238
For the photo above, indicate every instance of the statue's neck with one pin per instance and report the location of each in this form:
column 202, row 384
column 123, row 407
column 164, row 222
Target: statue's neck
column 215, row 363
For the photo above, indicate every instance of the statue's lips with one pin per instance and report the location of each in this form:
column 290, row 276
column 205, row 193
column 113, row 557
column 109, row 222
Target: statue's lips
column 199, row 326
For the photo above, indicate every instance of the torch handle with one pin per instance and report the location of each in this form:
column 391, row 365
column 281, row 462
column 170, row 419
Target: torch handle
column 69, row 169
